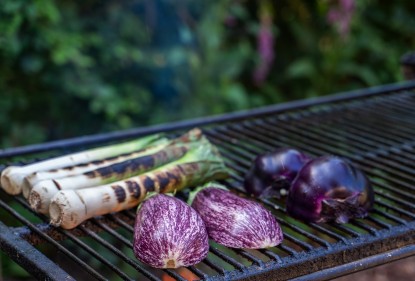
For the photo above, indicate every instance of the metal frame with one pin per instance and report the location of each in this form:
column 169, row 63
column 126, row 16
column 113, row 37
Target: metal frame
column 334, row 260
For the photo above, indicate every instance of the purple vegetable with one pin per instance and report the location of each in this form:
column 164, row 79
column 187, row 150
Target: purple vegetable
column 168, row 233
column 234, row 221
column 330, row 188
column 272, row 172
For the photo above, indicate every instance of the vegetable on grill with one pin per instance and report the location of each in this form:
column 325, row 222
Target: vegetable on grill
column 234, row 221
column 12, row 177
column 201, row 164
column 168, row 233
column 32, row 179
column 272, row 173
column 43, row 191
column 330, row 188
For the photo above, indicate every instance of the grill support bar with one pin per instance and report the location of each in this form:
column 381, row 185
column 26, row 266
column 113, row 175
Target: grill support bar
column 360, row 265
column 312, row 262
column 29, row 257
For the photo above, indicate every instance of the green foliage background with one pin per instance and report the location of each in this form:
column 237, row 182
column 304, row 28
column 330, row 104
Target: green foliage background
column 69, row 68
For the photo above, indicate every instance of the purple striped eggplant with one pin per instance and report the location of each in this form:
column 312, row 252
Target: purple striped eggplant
column 234, row 221
column 168, row 233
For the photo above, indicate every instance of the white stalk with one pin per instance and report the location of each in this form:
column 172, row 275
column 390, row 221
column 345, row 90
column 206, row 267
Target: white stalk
column 31, row 180
column 69, row 208
column 12, row 177
column 43, row 191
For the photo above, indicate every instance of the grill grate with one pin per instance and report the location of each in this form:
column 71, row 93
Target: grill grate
column 374, row 128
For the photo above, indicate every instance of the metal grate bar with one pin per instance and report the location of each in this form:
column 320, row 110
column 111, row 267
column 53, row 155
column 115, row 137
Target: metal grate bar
column 396, row 209
column 111, row 231
column 95, row 254
column 198, row 272
column 51, row 241
column 366, row 140
column 389, row 187
column 389, row 216
column 395, row 199
column 356, row 127
column 380, row 223
column 215, row 267
column 227, row 258
column 271, row 255
column 306, row 133
column 249, row 256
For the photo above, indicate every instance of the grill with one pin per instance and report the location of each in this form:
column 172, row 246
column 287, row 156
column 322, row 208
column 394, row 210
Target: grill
column 374, row 128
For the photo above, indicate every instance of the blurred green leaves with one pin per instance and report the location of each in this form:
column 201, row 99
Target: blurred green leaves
column 70, row 68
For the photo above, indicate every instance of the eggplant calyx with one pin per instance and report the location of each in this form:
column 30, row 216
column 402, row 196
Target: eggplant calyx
column 275, row 189
column 192, row 194
column 341, row 210
column 270, row 192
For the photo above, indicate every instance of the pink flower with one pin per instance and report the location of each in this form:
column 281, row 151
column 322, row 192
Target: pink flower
column 341, row 15
column 265, row 48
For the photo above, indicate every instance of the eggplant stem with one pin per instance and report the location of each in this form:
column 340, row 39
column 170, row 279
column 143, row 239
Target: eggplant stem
column 341, row 210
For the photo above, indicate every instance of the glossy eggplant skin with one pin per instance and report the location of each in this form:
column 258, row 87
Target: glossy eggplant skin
column 271, row 172
column 168, row 233
column 330, row 188
column 236, row 222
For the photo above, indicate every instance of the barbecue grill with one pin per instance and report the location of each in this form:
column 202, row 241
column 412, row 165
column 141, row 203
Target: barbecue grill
column 374, row 128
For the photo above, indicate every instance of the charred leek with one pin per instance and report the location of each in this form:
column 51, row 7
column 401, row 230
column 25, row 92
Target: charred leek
column 13, row 176
column 32, row 179
column 43, row 191
column 201, row 164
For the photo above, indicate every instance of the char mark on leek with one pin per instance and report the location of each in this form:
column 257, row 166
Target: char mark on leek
column 234, row 221
column 12, row 177
column 31, row 180
column 202, row 163
column 43, row 191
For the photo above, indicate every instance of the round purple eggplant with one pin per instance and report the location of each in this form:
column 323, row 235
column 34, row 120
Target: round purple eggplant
column 234, row 221
column 168, row 233
column 272, row 172
column 330, row 188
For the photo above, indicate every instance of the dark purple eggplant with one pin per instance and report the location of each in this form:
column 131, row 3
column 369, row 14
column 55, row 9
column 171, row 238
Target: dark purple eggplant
column 330, row 188
column 270, row 173
column 234, row 221
column 168, row 233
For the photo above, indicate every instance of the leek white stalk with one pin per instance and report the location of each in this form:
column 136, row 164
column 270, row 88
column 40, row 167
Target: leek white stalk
column 32, row 179
column 12, row 177
column 43, row 191
column 69, row 208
